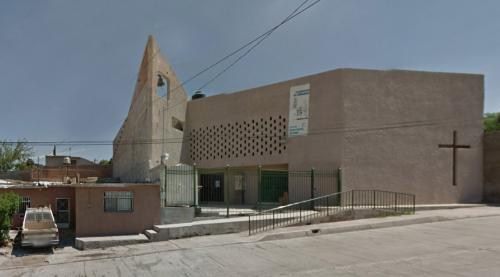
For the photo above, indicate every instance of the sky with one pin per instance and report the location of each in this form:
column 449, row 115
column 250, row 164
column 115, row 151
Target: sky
column 68, row 68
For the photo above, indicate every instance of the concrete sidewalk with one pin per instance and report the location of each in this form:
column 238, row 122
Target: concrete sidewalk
column 420, row 217
column 221, row 226
column 467, row 247
column 69, row 255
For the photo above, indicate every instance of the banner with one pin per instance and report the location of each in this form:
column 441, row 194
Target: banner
column 298, row 120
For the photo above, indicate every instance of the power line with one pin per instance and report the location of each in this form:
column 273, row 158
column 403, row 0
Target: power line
column 347, row 129
column 292, row 15
column 266, row 33
column 257, row 39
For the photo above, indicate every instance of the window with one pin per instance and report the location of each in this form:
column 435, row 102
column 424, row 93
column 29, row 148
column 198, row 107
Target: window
column 25, row 203
column 177, row 124
column 118, row 201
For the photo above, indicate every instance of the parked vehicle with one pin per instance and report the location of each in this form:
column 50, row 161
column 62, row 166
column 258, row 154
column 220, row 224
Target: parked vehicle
column 39, row 228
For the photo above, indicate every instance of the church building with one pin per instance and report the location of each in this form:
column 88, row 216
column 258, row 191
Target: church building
column 396, row 130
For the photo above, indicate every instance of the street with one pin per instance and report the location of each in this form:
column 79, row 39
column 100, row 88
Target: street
column 466, row 247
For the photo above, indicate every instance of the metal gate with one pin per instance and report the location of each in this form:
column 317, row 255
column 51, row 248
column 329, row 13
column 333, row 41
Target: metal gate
column 178, row 186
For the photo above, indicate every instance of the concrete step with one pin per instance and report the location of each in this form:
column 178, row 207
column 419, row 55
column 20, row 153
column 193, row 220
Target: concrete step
column 151, row 234
column 215, row 226
column 84, row 243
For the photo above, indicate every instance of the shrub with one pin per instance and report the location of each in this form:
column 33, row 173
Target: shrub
column 491, row 122
column 9, row 203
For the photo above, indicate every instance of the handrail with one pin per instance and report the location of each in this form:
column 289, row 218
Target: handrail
column 309, row 209
column 297, row 203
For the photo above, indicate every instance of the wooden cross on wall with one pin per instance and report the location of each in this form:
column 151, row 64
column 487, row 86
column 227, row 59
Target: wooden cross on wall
column 454, row 146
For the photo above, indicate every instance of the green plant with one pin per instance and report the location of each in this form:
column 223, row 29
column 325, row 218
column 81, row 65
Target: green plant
column 491, row 122
column 9, row 203
column 15, row 156
column 106, row 162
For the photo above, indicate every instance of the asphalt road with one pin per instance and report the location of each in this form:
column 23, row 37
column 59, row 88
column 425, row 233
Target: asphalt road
column 468, row 247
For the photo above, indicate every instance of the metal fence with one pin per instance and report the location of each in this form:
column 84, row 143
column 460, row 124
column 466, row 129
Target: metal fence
column 243, row 190
column 307, row 211
column 178, row 186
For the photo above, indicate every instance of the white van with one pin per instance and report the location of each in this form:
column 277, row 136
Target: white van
column 39, row 228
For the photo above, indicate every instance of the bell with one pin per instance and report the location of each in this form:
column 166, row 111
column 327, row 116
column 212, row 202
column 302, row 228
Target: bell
column 161, row 82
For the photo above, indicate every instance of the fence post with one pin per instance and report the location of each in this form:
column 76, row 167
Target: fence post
column 395, row 202
column 195, row 187
column 259, row 184
column 339, row 184
column 226, row 189
column 300, row 212
column 273, row 219
column 374, row 197
column 312, row 188
column 414, row 204
column 165, row 186
column 327, row 206
column 352, row 200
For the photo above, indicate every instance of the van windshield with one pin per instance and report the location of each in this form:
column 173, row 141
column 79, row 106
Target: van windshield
column 38, row 216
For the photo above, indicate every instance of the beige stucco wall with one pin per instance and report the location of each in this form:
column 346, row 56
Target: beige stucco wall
column 492, row 167
column 91, row 220
column 394, row 122
column 147, row 131
column 269, row 103
column 382, row 127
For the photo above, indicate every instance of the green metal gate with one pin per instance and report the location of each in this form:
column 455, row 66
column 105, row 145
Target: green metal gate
column 274, row 186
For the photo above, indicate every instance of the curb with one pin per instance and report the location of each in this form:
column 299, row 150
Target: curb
column 312, row 231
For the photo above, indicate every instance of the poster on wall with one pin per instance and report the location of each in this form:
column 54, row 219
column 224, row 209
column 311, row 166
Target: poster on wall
column 298, row 120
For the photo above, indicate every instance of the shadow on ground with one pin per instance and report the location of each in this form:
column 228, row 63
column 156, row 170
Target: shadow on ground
column 66, row 239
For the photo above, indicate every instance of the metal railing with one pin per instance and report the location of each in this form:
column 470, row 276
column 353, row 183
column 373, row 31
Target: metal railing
column 308, row 211
column 237, row 191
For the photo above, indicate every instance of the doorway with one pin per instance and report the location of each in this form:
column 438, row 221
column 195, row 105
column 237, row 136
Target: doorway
column 212, row 187
column 63, row 212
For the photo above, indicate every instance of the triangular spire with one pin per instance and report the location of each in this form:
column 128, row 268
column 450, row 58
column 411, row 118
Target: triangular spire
column 146, row 69
column 150, row 51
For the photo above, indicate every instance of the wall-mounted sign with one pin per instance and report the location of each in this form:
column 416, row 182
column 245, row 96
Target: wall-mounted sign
column 298, row 120
column 238, row 182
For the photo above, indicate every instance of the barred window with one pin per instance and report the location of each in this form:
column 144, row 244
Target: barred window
column 25, row 203
column 118, row 201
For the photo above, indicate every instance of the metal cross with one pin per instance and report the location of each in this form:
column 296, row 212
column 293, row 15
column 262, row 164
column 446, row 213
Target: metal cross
column 454, row 146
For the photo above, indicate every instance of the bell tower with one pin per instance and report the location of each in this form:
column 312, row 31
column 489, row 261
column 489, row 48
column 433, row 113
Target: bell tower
column 155, row 122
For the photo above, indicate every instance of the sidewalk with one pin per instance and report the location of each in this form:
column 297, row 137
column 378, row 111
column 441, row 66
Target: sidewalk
column 68, row 254
column 420, row 217
column 230, row 225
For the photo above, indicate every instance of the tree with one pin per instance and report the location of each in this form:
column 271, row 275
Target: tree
column 14, row 157
column 106, row 162
column 9, row 203
column 491, row 122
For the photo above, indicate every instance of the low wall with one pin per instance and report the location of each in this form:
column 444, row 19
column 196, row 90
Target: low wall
column 492, row 167
column 92, row 220
column 22, row 175
column 171, row 215
column 83, row 171
column 56, row 174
